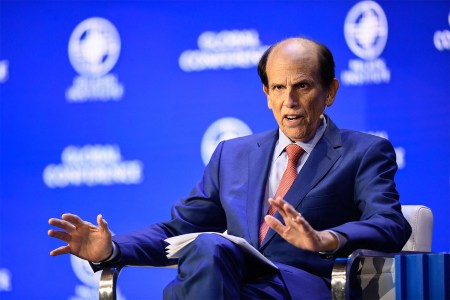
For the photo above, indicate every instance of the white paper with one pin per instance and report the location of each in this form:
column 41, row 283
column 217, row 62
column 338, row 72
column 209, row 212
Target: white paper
column 177, row 243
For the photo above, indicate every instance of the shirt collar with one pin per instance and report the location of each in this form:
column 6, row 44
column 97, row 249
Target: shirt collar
column 308, row 146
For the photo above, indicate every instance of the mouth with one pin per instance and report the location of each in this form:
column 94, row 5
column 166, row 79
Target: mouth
column 293, row 120
column 292, row 117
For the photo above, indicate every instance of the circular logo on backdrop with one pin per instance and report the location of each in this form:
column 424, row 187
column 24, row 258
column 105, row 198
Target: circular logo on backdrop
column 84, row 272
column 366, row 29
column 220, row 130
column 94, row 47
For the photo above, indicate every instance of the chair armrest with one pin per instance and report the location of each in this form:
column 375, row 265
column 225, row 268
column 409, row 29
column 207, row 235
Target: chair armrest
column 341, row 281
column 365, row 274
column 108, row 283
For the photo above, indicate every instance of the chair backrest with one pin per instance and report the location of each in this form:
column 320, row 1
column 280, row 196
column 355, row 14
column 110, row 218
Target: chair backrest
column 421, row 220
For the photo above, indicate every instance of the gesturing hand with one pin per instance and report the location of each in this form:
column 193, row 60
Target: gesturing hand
column 298, row 231
column 83, row 238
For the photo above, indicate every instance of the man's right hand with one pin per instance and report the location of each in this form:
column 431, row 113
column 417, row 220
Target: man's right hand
column 83, row 239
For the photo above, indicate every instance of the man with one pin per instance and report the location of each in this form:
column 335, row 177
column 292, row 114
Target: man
column 342, row 199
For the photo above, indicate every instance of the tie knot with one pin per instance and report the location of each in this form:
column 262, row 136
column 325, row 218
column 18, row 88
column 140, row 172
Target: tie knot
column 294, row 151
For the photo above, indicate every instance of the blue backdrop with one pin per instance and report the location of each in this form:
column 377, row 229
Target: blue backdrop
column 114, row 108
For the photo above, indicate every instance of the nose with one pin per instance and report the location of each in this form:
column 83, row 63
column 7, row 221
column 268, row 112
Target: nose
column 291, row 100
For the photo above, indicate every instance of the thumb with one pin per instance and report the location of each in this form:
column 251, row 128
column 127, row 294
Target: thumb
column 102, row 224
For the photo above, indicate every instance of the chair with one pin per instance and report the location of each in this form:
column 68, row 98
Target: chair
column 367, row 274
column 364, row 274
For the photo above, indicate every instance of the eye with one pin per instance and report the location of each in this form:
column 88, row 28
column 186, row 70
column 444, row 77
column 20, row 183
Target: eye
column 277, row 87
column 303, row 85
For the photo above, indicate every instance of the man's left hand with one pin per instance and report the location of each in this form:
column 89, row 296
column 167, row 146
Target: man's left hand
column 298, row 231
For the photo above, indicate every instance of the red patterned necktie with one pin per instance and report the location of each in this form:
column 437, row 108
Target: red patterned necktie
column 293, row 152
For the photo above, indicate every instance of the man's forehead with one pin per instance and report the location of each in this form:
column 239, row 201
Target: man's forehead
column 295, row 59
column 294, row 50
column 291, row 75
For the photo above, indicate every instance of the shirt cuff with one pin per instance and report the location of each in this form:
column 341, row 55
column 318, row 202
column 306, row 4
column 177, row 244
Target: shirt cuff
column 342, row 241
column 111, row 257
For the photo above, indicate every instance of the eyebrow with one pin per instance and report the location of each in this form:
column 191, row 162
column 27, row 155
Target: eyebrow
column 302, row 79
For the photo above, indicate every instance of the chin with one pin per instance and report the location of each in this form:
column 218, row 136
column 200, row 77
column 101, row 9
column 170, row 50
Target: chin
column 300, row 136
column 296, row 137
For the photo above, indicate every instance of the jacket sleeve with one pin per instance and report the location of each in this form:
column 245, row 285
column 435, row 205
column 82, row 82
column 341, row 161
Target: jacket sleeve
column 201, row 211
column 382, row 226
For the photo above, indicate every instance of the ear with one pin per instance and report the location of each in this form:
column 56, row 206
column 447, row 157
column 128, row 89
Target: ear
column 332, row 92
column 266, row 91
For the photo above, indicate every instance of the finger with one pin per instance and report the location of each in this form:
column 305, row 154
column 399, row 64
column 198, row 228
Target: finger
column 61, row 235
column 296, row 219
column 102, row 224
column 62, row 224
column 304, row 225
column 290, row 211
column 274, row 224
column 74, row 219
column 278, row 204
column 286, row 209
column 60, row 250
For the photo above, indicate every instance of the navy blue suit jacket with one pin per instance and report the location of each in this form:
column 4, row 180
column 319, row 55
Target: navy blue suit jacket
column 346, row 185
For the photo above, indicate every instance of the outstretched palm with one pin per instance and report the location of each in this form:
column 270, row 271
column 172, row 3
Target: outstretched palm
column 83, row 238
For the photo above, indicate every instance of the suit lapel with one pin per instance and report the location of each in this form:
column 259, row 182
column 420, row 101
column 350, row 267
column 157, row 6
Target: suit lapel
column 320, row 161
column 259, row 162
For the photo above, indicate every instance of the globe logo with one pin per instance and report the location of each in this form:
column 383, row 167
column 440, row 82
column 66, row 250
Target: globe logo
column 94, row 47
column 90, row 280
column 366, row 30
column 221, row 130
column 84, row 272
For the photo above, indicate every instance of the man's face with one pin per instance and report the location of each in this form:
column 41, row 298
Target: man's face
column 295, row 93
